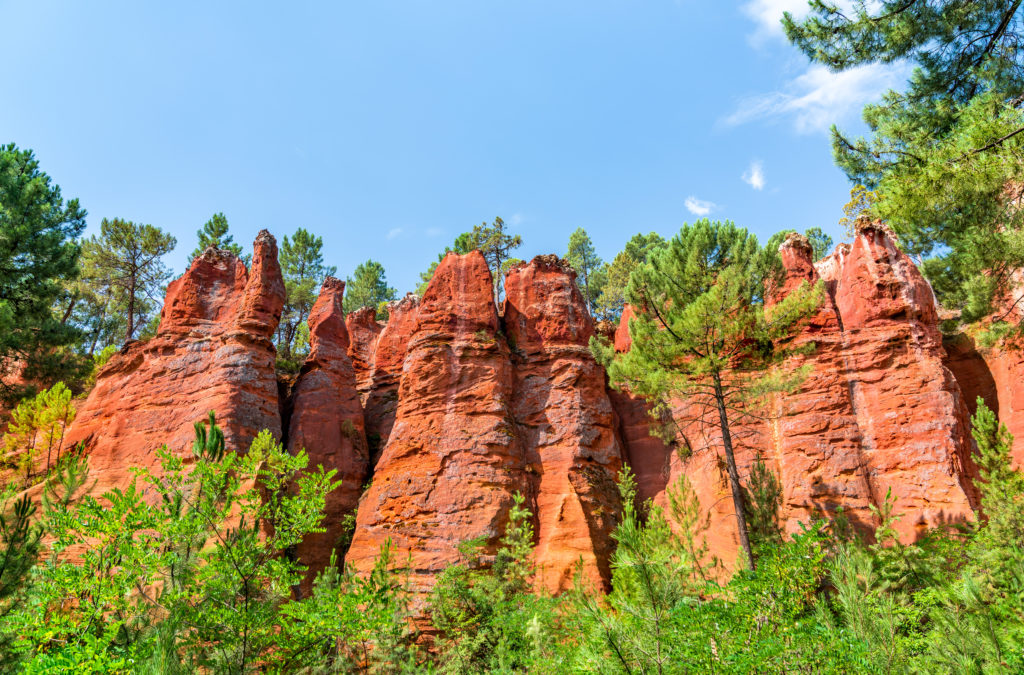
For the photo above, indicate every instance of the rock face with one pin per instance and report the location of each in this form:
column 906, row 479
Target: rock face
column 995, row 373
column 327, row 420
column 565, row 422
column 448, row 410
column 878, row 409
column 452, row 460
column 381, row 398
column 212, row 351
column 363, row 331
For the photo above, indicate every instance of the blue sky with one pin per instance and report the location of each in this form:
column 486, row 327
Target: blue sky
column 390, row 127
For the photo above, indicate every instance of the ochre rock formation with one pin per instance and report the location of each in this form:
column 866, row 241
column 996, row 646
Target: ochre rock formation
column 327, row 420
column 452, row 461
column 380, row 402
column 877, row 410
column 448, row 409
column 363, row 331
column 996, row 372
column 212, row 351
column 564, row 421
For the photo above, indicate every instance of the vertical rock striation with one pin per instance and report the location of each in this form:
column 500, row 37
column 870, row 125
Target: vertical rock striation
column 363, row 331
column 380, row 402
column 878, row 409
column 452, row 461
column 212, row 351
column 327, row 420
column 564, row 421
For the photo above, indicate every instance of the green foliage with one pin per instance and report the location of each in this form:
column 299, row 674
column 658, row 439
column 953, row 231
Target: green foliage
column 38, row 254
column 368, row 287
column 488, row 618
column 821, row 243
column 615, row 277
column 584, row 259
column 763, row 501
column 943, row 162
column 665, row 615
column 214, row 232
column 124, row 264
column 703, row 333
column 861, row 207
column 303, row 269
column 37, row 429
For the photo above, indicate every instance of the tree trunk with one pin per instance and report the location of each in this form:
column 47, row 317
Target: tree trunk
column 734, row 475
column 131, row 309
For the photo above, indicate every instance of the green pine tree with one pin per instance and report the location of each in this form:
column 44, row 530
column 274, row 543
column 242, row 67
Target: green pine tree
column 303, row 269
column 214, row 232
column 38, row 255
column 944, row 155
column 584, row 259
column 704, row 334
column 368, row 287
column 127, row 258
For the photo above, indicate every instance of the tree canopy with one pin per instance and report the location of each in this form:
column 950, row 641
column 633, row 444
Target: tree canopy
column 303, row 269
column 127, row 258
column 367, row 287
column 38, row 253
column 945, row 155
column 589, row 267
column 703, row 333
column 214, row 232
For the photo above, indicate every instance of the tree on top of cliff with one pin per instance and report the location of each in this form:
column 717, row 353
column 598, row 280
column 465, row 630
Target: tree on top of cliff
column 704, row 335
column 303, row 269
column 491, row 240
column 946, row 155
column 821, row 243
column 128, row 260
column 588, row 265
column 368, row 287
column 37, row 253
column 214, row 232
column 638, row 249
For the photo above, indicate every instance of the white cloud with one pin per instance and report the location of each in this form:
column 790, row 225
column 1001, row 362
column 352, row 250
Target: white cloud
column 394, row 232
column 818, row 98
column 434, row 231
column 516, row 219
column 754, row 176
column 699, row 207
column 767, row 16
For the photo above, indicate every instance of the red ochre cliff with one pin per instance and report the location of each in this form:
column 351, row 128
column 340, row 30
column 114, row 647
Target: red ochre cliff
column 212, row 351
column 449, row 409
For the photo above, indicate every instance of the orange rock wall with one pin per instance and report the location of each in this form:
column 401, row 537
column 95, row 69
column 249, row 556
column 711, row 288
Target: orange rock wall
column 449, row 408
column 327, row 420
column 212, row 351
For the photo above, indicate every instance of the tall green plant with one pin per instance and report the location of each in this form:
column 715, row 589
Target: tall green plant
column 704, row 334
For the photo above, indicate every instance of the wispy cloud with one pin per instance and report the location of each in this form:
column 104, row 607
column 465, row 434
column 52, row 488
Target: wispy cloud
column 699, row 207
column 434, row 231
column 394, row 232
column 818, row 98
column 767, row 17
column 516, row 219
column 754, row 176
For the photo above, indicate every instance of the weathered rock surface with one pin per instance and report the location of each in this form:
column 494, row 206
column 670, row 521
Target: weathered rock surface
column 327, row 420
column 363, row 331
column 564, row 421
column 452, row 460
column 878, row 409
column 995, row 373
column 212, row 351
column 380, row 402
